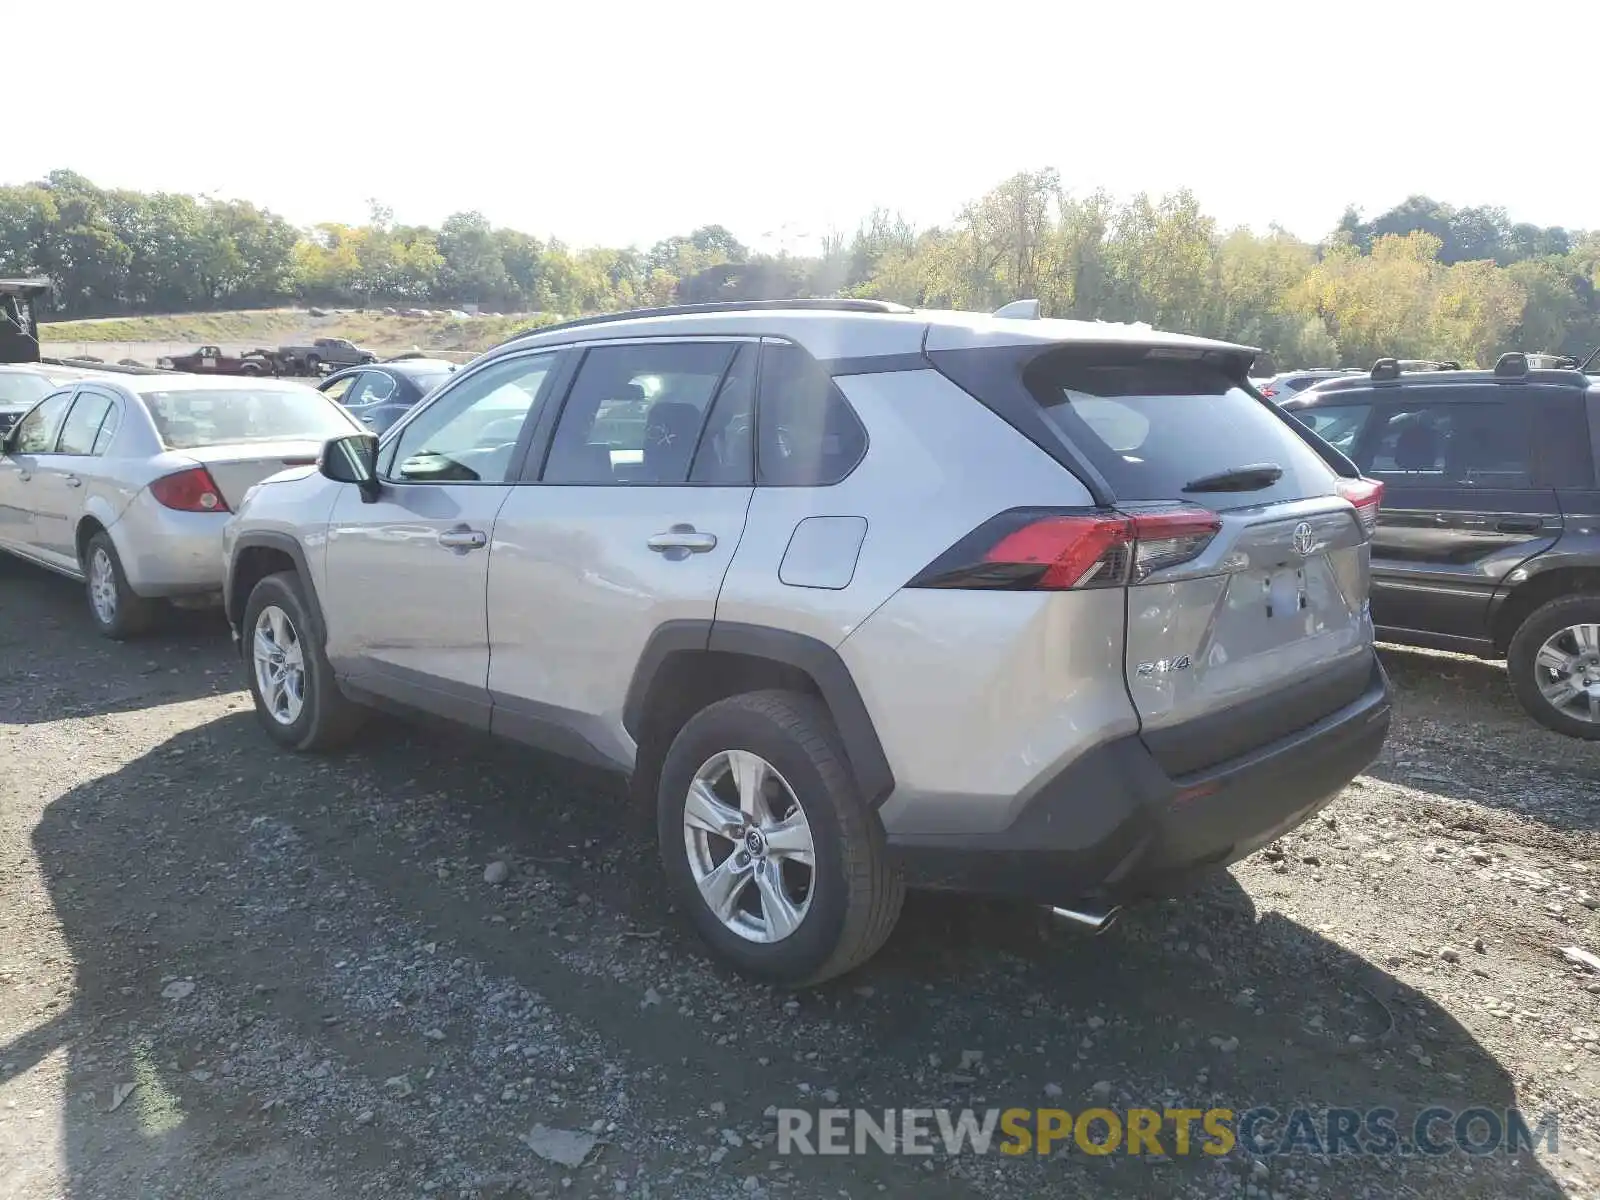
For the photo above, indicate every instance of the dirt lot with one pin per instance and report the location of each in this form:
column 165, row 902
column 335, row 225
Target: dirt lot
column 300, row 969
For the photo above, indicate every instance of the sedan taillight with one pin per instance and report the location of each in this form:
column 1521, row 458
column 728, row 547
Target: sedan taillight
column 190, row 491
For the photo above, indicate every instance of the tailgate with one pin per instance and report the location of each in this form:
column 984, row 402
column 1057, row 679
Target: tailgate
column 1264, row 633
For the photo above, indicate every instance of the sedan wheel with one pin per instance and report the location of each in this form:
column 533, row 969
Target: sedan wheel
column 750, row 847
column 280, row 665
column 103, row 586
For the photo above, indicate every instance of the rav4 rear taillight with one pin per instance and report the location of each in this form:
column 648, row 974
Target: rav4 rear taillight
column 1058, row 549
column 1367, row 496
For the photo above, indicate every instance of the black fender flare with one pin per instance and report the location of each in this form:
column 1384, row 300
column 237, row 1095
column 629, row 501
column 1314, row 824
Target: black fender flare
column 816, row 659
column 233, row 603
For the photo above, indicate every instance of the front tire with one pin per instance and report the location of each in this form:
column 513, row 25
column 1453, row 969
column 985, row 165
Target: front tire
column 297, row 699
column 118, row 612
column 767, row 844
column 1554, row 663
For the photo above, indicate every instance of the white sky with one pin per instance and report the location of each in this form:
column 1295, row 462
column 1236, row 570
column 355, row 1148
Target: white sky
column 620, row 123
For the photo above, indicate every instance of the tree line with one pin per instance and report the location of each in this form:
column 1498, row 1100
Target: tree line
column 1423, row 280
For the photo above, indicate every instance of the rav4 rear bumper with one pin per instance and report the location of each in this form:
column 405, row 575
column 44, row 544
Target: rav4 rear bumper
column 1114, row 827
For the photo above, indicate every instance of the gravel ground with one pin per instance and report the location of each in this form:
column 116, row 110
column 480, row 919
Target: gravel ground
column 225, row 970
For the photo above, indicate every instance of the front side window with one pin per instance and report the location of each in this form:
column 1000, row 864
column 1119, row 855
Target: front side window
column 189, row 419
column 82, row 426
column 339, row 389
column 635, row 413
column 36, row 433
column 808, row 435
column 469, row 433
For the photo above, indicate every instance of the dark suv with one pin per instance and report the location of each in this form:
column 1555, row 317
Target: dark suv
column 1488, row 541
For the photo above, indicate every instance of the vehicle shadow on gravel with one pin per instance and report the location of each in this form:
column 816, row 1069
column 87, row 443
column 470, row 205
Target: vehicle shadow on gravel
column 188, row 655
column 159, row 877
column 1468, row 739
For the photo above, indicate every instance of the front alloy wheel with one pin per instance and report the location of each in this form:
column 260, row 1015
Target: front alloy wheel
column 280, row 665
column 749, row 845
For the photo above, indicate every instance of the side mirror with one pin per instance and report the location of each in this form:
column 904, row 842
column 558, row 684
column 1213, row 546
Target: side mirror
column 352, row 459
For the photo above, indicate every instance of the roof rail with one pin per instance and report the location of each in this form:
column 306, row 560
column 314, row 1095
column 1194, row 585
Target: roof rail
column 682, row 310
column 1386, row 368
column 1025, row 310
column 1512, row 365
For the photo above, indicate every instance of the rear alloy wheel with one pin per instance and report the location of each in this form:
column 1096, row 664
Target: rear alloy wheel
column 297, row 699
column 1554, row 662
column 119, row 613
column 766, row 842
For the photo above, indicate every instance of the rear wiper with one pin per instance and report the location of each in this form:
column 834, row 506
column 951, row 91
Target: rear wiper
column 1251, row 478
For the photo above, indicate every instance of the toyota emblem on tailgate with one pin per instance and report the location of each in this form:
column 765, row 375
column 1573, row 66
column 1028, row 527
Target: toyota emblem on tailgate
column 1304, row 539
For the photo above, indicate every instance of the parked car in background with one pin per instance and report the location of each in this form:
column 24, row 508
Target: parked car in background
column 125, row 482
column 1489, row 538
column 380, row 394
column 724, row 550
column 1280, row 387
column 24, row 384
column 324, row 354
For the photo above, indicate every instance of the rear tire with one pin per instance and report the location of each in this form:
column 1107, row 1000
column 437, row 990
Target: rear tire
column 118, row 612
column 297, row 699
column 1559, row 641
column 313, row 365
column 780, row 919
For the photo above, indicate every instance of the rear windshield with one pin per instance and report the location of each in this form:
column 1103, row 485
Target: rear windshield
column 187, row 420
column 1152, row 429
column 426, row 381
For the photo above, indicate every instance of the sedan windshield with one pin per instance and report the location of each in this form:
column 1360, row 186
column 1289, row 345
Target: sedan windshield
column 21, row 390
column 187, row 420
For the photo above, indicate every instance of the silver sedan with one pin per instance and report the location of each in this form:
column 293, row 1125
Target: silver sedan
column 126, row 482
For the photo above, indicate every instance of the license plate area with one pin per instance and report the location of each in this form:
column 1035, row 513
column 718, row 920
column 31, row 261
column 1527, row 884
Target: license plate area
column 1283, row 592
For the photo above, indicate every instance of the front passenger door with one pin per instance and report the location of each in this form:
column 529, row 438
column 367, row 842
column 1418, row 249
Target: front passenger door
column 406, row 576
column 31, row 443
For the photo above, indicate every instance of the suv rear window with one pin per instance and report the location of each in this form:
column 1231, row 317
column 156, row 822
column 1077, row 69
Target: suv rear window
column 1153, row 427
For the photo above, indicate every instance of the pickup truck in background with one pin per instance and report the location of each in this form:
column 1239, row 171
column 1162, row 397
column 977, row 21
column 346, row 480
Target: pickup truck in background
column 210, row 360
column 324, row 354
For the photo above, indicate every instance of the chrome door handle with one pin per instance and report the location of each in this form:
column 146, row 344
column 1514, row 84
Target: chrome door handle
column 683, row 537
column 74, row 481
column 463, row 539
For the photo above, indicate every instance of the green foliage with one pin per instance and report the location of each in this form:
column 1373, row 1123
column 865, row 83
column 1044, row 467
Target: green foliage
column 1422, row 280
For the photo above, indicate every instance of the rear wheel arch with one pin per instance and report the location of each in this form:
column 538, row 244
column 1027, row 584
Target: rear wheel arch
column 88, row 526
column 688, row 665
column 1523, row 601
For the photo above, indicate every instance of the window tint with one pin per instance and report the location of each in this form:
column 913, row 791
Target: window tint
column 82, row 425
column 1482, row 445
column 469, row 434
column 36, row 433
column 727, row 447
column 1150, row 427
column 1338, row 424
column 807, row 434
column 1561, row 454
column 635, row 412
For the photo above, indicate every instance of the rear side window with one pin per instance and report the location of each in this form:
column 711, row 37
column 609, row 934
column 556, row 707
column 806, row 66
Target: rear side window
column 807, row 435
column 1470, row 444
column 1154, row 428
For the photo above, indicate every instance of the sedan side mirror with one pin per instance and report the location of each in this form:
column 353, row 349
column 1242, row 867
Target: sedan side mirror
column 352, row 459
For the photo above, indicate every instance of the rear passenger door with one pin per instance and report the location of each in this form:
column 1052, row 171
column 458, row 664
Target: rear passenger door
column 1461, row 506
column 630, row 524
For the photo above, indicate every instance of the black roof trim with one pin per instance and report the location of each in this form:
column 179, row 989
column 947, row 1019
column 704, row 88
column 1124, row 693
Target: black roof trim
column 1439, row 380
column 684, row 310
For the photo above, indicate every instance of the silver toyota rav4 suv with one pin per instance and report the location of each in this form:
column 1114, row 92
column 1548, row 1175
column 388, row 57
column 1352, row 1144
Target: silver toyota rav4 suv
column 860, row 596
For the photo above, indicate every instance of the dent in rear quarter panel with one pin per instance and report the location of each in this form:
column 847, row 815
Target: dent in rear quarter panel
column 981, row 698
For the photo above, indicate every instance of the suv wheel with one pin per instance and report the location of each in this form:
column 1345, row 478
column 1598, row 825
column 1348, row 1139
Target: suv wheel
column 296, row 696
column 119, row 612
column 1554, row 662
column 766, row 843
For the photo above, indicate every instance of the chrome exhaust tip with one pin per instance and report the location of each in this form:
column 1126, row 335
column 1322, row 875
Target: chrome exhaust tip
column 1097, row 921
